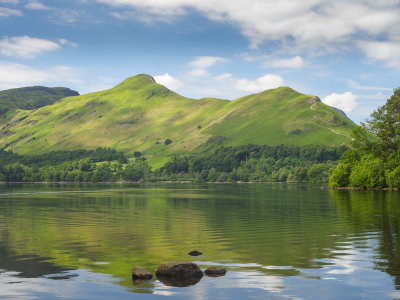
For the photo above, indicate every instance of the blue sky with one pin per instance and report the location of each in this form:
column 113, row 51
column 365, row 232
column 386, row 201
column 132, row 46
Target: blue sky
column 347, row 53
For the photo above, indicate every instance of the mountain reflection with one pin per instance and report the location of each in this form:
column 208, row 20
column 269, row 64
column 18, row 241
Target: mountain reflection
column 265, row 235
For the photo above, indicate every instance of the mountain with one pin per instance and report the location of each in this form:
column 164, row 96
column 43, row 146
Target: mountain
column 140, row 115
column 32, row 97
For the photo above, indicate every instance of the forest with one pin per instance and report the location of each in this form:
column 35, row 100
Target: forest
column 373, row 162
column 250, row 163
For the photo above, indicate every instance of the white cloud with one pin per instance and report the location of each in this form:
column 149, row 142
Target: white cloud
column 9, row 1
column 346, row 101
column 17, row 75
column 8, row 12
column 224, row 76
column 170, row 82
column 386, row 51
column 293, row 62
column 202, row 62
column 25, row 46
column 314, row 25
column 266, row 82
column 198, row 72
column 66, row 42
column 123, row 15
column 14, row 75
column 36, row 5
column 356, row 85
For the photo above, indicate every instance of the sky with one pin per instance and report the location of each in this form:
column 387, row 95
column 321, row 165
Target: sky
column 345, row 52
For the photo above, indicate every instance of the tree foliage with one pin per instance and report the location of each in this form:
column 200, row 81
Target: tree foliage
column 283, row 163
column 374, row 160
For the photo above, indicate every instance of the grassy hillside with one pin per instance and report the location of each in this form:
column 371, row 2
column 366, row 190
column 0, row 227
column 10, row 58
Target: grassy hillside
column 32, row 97
column 139, row 115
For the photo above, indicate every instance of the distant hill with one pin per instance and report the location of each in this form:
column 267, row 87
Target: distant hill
column 32, row 97
column 141, row 115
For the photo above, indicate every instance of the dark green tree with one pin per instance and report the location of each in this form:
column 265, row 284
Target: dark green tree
column 385, row 123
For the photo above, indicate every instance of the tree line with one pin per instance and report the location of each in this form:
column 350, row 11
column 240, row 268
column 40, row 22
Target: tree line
column 249, row 163
column 373, row 162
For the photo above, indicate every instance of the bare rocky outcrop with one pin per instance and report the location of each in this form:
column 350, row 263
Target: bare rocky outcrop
column 312, row 100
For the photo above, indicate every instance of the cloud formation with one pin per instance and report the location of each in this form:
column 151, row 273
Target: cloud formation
column 346, row 101
column 169, row 81
column 14, row 75
column 9, row 1
column 25, row 46
column 313, row 25
column 386, row 51
column 266, row 82
column 206, row 61
column 293, row 62
column 200, row 64
column 8, row 12
column 36, row 5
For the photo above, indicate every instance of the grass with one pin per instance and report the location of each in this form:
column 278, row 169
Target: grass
column 139, row 115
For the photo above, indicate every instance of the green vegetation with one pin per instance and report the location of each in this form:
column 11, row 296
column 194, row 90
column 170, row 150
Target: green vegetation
column 374, row 160
column 32, row 97
column 138, row 115
column 251, row 163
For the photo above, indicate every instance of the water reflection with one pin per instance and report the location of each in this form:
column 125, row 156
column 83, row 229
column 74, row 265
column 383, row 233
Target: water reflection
column 283, row 241
column 375, row 216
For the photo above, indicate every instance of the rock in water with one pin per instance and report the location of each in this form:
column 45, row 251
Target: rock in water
column 140, row 273
column 179, row 269
column 195, row 253
column 215, row 271
column 138, row 281
column 178, row 281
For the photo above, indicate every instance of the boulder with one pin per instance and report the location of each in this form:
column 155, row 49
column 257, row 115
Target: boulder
column 195, row 253
column 179, row 269
column 139, row 273
column 215, row 271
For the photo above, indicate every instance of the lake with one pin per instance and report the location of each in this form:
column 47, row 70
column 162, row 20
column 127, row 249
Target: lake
column 277, row 241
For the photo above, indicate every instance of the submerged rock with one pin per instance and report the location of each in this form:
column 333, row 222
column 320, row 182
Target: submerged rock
column 215, row 271
column 179, row 269
column 139, row 273
column 195, row 253
column 139, row 281
column 179, row 281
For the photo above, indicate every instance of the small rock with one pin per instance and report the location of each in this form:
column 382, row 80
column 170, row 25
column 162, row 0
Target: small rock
column 138, row 272
column 215, row 271
column 179, row 269
column 195, row 253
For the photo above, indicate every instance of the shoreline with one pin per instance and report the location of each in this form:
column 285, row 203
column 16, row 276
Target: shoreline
column 186, row 181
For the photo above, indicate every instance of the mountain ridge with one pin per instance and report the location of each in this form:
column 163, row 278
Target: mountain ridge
column 139, row 115
column 33, row 97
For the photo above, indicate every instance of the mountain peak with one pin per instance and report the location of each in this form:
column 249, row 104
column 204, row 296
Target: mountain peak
column 137, row 81
column 144, row 77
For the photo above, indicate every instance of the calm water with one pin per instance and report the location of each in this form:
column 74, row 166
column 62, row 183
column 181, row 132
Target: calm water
column 276, row 241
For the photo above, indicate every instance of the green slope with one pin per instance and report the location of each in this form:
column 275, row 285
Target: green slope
column 139, row 115
column 32, row 97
